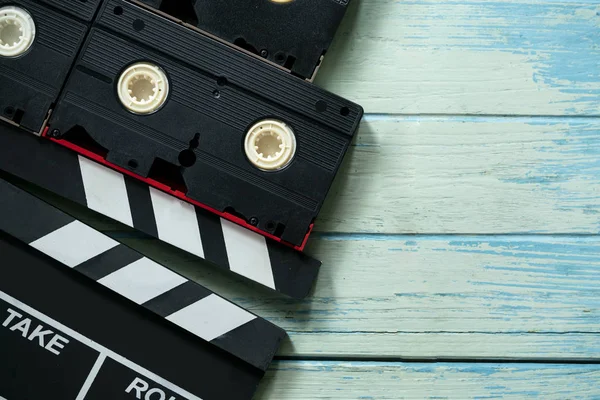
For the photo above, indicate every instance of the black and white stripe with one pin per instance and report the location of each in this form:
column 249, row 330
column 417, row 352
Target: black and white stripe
column 139, row 279
column 157, row 214
column 178, row 222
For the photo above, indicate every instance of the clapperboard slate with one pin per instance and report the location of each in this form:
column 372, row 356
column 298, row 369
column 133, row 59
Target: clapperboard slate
column 64, row 336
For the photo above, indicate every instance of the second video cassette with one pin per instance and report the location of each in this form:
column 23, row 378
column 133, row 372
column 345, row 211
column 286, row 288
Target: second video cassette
column 39, row 41
column 292, row 34
column 204, row 121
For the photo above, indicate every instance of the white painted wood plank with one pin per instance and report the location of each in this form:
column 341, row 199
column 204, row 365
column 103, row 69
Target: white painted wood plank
column 293, row 380
column 469, row 175
column 468, row 57
column 498, row 346
column 507, row 297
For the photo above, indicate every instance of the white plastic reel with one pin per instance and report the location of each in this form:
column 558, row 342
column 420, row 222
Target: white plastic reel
column 270, row 145
column 143, row 88
column 17, row 31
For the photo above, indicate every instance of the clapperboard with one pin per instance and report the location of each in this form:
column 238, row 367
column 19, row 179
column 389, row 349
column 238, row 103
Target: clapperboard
column 85, row 317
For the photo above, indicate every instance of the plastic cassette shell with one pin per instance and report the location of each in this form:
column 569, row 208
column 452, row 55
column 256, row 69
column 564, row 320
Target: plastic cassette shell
column 31, row 81
column 293, row 34
column 217, row 92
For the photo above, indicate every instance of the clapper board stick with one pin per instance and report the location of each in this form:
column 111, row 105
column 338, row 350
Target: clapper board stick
column 159, row 215
column 115, row 266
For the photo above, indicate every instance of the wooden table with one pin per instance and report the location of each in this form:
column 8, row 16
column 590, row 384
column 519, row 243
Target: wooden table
column 460, row 247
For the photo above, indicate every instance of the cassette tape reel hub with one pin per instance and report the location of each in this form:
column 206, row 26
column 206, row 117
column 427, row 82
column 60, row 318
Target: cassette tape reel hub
column 143, row 88
column 17, row 31
column 270, row 145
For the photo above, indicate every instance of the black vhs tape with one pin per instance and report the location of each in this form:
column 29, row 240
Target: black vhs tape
column 292, row 34
column 39, row 41
column 204, row 121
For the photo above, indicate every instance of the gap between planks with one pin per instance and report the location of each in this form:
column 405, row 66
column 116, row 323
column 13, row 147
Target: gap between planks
column 444, row 360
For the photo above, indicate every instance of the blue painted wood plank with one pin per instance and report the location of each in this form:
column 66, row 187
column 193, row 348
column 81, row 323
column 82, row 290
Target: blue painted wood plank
column 438, row 174
column 469, row 57
column 305, row 380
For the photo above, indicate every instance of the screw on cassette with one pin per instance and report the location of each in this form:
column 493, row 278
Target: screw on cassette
column 135, row 204
column 132, row 325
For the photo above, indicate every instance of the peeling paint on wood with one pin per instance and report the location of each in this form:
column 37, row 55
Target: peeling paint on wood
column 395, row 381
column 469, row 175
column 469, row 57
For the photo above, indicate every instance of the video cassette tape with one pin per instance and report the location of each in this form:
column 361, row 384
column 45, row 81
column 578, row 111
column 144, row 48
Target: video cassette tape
column 39, row 41
column 204, row 121
column 292, row 34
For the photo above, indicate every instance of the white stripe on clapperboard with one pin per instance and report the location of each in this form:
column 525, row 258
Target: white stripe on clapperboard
column 248, row 253
column 203, row 316
column 143, row 280
column 74, row 244
column 176, row 222
column 104, row 352
column 105, row 191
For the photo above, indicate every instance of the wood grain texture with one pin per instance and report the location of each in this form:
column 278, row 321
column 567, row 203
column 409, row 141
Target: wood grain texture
column 394, row 381
column 469, row 175
column 495, row 57
column 432, row 297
